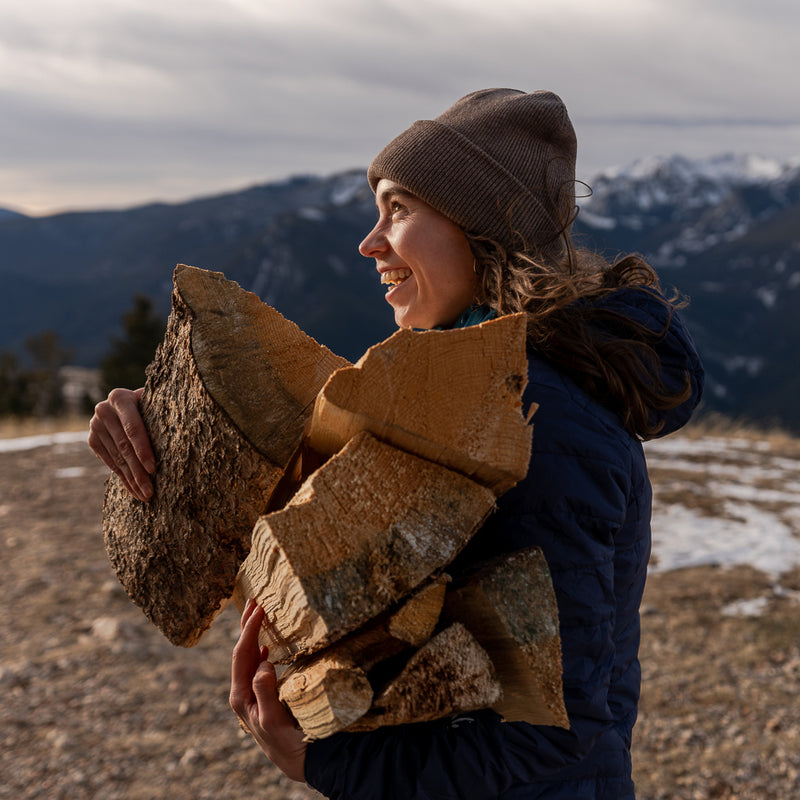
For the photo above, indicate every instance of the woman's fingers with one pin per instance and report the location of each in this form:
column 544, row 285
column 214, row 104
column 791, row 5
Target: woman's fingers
column 272, row 714
column 124, row 475
column 119, row 438
column 245, row 661
column 254, row 699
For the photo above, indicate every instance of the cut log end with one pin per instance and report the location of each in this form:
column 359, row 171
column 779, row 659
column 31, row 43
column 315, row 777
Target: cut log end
column 325, row 697
column 510, row 608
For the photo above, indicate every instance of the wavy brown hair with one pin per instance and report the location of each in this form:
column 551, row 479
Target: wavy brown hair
column 612, row 357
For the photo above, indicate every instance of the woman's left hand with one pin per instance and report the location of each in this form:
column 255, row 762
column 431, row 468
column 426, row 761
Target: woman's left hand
column 254, row 698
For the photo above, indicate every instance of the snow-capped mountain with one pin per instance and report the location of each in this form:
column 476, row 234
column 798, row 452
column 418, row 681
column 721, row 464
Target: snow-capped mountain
column 724, row 231
column 674, row 208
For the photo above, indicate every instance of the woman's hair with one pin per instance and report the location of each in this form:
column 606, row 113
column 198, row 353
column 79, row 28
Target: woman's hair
column 611, row 357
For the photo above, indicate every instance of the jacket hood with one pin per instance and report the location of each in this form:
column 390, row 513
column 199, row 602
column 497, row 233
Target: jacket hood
column 674, row 347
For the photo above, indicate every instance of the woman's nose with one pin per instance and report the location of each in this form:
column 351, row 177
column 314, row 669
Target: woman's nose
column 373, row 243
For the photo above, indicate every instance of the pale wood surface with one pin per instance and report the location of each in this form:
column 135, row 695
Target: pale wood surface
column 326, row 695
column 256, row 364
column 362, row 532
column 453, row 397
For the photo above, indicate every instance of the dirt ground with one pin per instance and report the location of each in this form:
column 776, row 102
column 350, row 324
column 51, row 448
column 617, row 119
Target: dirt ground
column 97, row 704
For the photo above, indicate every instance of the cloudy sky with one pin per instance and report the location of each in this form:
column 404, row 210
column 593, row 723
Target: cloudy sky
column 116, row 102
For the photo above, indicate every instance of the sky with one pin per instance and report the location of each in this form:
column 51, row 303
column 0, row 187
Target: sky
column 115, row 103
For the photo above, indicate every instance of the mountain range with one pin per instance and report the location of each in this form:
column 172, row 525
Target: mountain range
column 725, row 232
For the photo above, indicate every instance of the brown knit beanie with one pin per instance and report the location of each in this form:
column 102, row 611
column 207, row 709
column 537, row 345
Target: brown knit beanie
column 499, row 163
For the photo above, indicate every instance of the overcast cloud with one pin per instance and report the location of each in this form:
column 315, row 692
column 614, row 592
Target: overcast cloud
column 123, row 101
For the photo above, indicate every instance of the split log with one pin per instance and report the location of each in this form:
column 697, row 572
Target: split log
column 225, row 404
column 452, row 397
column 363, row 531
column 328, row 691
column 327, row 695
column 452, row 672
column 510, row 608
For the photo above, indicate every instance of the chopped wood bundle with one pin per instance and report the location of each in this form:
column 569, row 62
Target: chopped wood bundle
column 339, row 494
column 329, row 691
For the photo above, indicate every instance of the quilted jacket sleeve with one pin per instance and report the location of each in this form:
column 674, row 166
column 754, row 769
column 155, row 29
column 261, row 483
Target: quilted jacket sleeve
column 574, row 504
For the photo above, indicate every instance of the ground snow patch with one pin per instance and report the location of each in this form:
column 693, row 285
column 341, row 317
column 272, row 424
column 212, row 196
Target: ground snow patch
column 684, row 538
column 43, row 440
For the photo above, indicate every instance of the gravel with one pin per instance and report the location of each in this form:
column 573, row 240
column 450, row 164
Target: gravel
column 96, row 703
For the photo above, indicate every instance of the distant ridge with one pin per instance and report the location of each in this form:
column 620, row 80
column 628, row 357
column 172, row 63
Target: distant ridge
column 725, row 231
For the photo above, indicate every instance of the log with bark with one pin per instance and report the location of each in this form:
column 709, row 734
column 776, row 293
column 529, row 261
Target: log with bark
column 225, row 404
column 331, row 690
column 510, row 607
column 510, row 660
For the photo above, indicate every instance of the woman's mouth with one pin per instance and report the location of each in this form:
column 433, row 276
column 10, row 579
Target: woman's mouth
column 394, row 277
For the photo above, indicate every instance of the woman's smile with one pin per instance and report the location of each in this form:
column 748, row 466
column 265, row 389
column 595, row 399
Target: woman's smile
column 422, row 256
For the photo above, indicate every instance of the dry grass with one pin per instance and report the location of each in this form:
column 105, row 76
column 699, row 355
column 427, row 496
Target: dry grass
column 15, row 427
column 718, row 426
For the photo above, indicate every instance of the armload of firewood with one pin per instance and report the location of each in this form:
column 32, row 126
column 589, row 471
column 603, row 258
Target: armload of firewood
column 336, row 495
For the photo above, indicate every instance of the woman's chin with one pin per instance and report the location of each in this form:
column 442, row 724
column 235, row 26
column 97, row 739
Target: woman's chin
column 405, row 320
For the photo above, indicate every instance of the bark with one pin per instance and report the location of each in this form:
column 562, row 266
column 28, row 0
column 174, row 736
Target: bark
column 452, row 672
column 225, row 357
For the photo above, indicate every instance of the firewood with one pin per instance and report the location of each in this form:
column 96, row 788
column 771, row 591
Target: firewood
column 510, row 608
column 362, row 532
column 326, row 696
column 453, row 397
column 225, row 404
column 451, row 673
column 328, row 691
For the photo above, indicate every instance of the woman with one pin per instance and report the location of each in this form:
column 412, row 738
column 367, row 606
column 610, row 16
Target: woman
column 474, row 212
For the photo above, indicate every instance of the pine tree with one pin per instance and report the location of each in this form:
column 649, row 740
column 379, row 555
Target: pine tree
column 125, row 363
column 44, row 381
column 14, row 393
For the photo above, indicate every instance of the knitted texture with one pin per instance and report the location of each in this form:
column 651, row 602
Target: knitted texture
column 499, row 163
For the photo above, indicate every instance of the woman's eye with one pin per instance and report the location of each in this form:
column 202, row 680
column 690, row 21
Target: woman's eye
column 394, row 207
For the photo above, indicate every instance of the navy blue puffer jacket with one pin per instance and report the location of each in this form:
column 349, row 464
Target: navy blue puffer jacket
column 586, row 502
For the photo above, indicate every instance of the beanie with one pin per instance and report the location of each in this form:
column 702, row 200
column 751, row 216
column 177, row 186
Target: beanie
column 499, row 163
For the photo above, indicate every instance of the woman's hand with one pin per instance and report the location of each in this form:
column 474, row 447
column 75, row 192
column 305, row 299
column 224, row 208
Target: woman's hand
column 254, row 698
column 119, row 439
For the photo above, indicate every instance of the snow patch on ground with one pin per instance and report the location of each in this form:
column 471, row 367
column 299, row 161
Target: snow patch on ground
column 43, row 440
column 755, row 495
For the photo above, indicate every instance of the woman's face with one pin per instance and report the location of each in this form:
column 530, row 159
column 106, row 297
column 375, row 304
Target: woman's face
column 422, row 256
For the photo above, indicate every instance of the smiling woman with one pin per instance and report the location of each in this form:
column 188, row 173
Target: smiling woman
column 474, row 216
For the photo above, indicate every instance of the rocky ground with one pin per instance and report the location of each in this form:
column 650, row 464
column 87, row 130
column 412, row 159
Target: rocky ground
column 97, row 704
